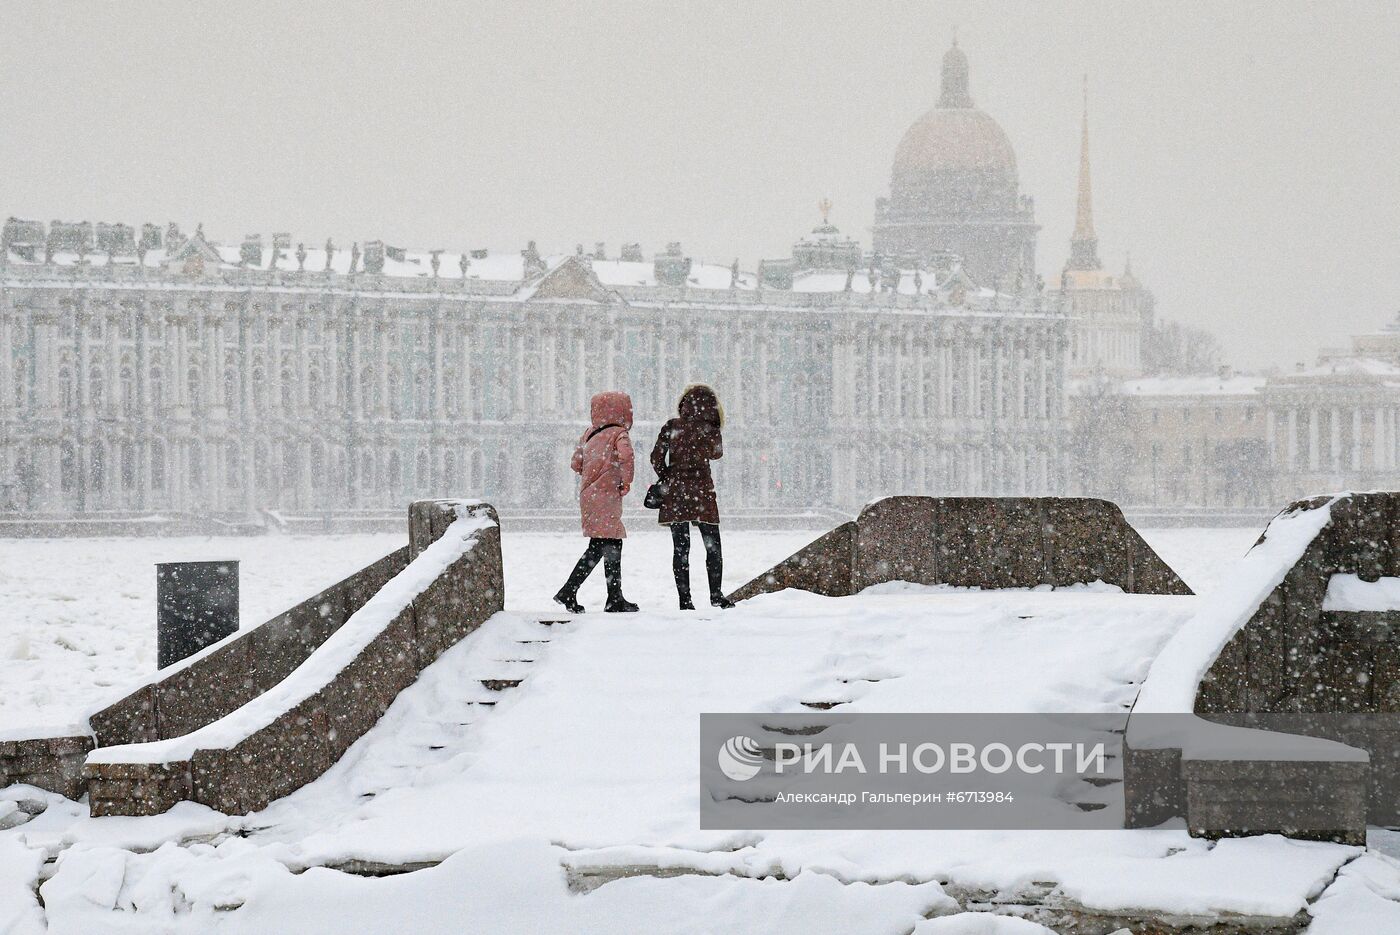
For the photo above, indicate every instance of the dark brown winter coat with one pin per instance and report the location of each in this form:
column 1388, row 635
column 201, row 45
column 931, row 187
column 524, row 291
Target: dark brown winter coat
column 682, row 455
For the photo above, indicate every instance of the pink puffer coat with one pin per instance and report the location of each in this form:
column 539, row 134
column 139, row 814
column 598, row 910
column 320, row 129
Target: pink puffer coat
column 604, row 460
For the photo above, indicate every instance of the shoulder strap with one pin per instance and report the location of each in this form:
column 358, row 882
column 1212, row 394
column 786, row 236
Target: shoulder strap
column 611, row 425
column 663, row 441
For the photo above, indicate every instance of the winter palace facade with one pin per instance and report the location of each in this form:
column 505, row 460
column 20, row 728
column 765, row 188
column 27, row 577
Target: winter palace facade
column 159, row 373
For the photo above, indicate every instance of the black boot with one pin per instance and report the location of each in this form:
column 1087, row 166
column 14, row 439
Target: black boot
column 714, row 565
column 612, row 571
column 568, row 594
column 569, row 602
column 680, row 563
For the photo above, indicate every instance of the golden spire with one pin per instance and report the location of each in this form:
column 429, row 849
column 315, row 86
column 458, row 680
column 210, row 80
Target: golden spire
column 1084, row 245
column 824, row 206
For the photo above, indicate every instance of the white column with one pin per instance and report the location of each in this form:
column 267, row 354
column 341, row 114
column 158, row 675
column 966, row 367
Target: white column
column 113, row 352
column 1270, row 437
column 7, row 360
column 1378, row 438
column 382, row 330
column 581, row 373
column 872, row 376
column 464, row 374
column 609, row 358
column 998, row 348
column 657, row 340
column 765, row 414
column 1292, row 461
column 1044, row 347
column 1313, row 430
column 1356, row 439
column 439, row 383
column 920, row 397
column 1390, row 437
column 1334, row 446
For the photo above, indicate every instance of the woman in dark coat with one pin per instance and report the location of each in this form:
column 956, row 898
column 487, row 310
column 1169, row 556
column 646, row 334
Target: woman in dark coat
column 681, row 458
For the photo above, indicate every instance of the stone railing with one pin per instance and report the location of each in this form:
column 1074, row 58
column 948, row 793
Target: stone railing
column 1265, row 645
column 50, row 762
column 290, row 734
column 195, row 691
column 222, row 678
column 979, row 542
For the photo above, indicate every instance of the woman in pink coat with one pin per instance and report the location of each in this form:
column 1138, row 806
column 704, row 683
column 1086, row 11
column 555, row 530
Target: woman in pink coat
column 603, row 459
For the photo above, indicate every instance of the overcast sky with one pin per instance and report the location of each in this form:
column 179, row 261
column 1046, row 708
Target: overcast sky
column 1246, row 154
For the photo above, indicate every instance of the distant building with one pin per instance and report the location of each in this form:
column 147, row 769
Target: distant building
column 1334, row 426
column 1110, row 315
column 180, row 376
column 1197, row 441
column 1239, row 441
column 954, row 188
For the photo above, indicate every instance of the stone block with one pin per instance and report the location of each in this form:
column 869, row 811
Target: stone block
column 989, row 542
column 1222, row 688
column 1151, row 575
column 1086, row 542
column 1314, row 799
column 985, row 542
column 33, row 762
column 110, row 788
column 206, row 690
column 107, row 808
column 427, row 521
column 130, row 720
column 1355, row 541
column 1264, row 648
column 60, row 746
column 108, row 771
column 1347, row 680
column 896, row 540
column 459, row 600
column 823, row 566
column 1153, row 790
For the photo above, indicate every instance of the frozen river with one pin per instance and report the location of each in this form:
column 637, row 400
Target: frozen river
column 78, row 617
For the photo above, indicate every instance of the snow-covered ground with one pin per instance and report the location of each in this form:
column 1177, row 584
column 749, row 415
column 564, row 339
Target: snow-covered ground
column 586, row 771
column 77, row 616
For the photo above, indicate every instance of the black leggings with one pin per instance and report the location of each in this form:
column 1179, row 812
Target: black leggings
column 680, row 557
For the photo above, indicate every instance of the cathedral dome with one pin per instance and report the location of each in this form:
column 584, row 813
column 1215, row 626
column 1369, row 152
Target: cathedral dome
column 956, row 156
column 956, row 139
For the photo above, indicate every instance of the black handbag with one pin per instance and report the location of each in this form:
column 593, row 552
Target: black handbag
column 656, row 493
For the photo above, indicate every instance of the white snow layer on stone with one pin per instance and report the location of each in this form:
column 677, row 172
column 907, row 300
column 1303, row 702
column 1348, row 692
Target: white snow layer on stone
column 1171, row 682
column 1347, row 592
column 321, row 666
column 45, row 731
